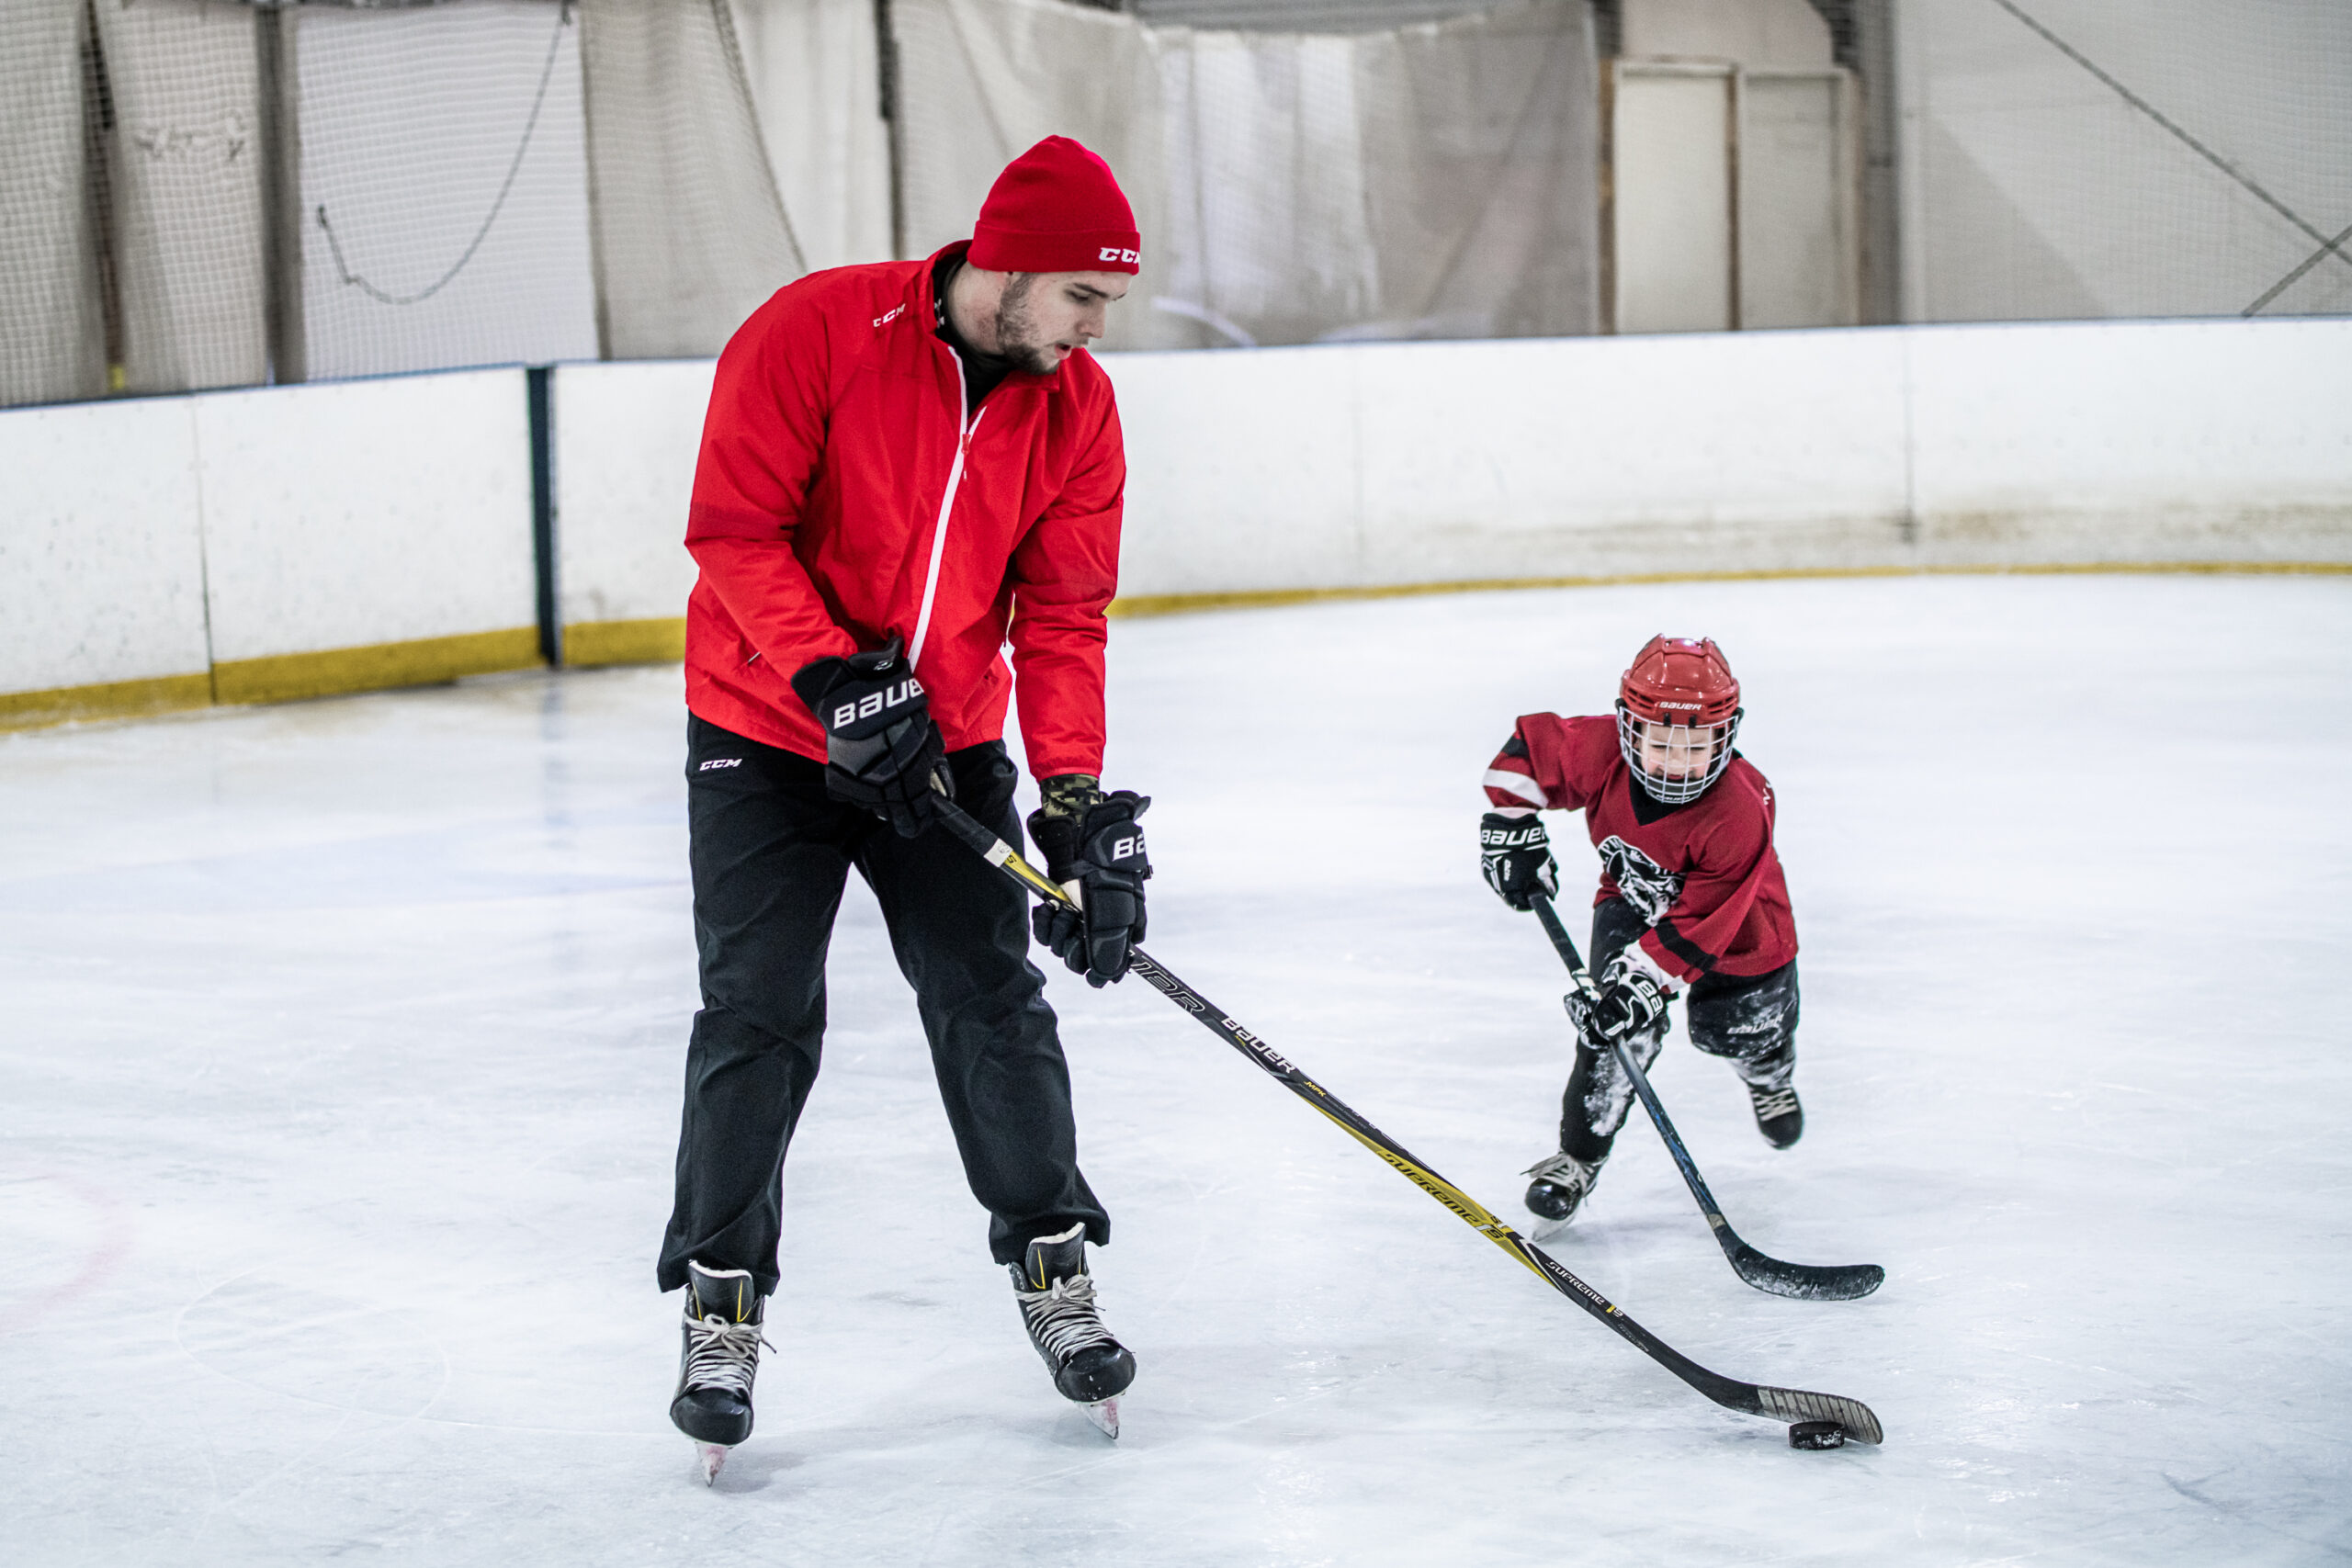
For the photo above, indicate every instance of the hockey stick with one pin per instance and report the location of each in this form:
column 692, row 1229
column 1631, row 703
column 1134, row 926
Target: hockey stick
column 1805, row 1281
column 1817, row 1420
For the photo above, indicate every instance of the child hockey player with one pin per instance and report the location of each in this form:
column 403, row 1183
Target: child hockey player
column 1691, row 897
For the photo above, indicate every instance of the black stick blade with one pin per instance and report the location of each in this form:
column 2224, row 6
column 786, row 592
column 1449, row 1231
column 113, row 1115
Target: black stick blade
column 1796, row 1404
column 1805, row 1282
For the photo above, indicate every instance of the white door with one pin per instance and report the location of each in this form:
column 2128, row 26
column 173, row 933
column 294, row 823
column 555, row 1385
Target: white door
column 1798, row 247
column 1733, row 198
column 1671, row 158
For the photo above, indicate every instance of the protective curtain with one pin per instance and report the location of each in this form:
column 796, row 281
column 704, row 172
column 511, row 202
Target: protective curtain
column 185, row 163
column 1429, row 181
column 689, row 230
column 52, row 343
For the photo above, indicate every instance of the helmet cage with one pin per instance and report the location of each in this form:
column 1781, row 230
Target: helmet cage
column 1677, row 791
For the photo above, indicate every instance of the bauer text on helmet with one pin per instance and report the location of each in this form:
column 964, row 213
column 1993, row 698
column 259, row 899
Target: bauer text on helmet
column 1678, row 716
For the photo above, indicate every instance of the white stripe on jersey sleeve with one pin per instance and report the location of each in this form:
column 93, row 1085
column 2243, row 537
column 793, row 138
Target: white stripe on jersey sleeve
column 1519, row 784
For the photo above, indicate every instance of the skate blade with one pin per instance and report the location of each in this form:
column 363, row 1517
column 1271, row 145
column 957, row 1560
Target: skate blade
column 1104, row 1413
column 1548, row 1231
column 712, row 1456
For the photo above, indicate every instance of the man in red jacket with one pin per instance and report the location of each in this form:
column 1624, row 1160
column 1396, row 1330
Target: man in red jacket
column 905, row 468
column 1691, row 896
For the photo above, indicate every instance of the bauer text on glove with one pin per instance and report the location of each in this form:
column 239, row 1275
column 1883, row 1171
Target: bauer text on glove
column 1515, row 853
column 882, row 751
column 1629, row 1003
column 1097, row 851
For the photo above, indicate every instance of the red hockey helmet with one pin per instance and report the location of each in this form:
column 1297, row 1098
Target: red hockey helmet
column 1677, row 714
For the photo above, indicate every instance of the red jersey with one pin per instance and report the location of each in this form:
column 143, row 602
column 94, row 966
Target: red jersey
column 1703, row 874
column 846, row 494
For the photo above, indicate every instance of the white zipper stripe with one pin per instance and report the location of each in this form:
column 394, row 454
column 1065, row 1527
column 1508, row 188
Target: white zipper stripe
column 946, row 505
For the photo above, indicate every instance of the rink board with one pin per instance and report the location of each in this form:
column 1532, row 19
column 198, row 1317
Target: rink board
column 296, row 541
column 626, row 440
column 101, row 561
column 367, row 513
column 266, row 545
column 1712, row 454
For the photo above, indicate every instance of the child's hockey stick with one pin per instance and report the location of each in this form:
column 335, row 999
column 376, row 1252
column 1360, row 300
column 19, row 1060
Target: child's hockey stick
column 1817, row 1420
column 1807, row 1281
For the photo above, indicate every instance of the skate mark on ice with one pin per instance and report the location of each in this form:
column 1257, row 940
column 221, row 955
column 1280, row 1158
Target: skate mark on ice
column 2248, row 1512
column 298, row 1341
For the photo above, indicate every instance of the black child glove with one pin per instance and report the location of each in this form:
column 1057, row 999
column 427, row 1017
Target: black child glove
column 1516, row 854
column 882, row 749
column 1631, row 1001
column 1091, row 839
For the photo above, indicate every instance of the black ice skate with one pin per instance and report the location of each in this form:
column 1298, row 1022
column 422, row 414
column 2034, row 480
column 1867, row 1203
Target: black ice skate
column 1773, row 1094
column 1777, row 1115
column 719, row 1357
column 1559, row 1186
column 1056, row 1297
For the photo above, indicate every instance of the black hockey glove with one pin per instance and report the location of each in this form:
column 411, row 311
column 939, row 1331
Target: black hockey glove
column 1516, row 854
column 882, row 751
column 1093, row 848
column 1630, row 1002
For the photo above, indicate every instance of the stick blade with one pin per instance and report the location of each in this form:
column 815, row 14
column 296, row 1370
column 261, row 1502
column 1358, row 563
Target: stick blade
column 1796, row 1404
column 1805, row 1281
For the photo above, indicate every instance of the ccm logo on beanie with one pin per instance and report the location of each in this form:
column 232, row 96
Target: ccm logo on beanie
column 1057, row 207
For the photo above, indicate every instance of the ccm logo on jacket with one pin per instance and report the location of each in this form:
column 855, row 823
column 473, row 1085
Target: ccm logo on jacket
column 844, row 492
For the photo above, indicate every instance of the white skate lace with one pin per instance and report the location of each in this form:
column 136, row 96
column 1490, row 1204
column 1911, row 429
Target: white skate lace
column 723, row 1355
column 1563, row 1168
column 1062, row 1317
column 1773, row 1103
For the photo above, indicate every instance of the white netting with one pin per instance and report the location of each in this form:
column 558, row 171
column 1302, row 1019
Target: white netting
column 208, row 193
column 444, row 204
column 1426, row 181
column 52, row 343
column 185, row 166
column 691, row 234
column 2076, row 158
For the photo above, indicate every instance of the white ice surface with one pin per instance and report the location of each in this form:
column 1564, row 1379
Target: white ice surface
column 341, row 1046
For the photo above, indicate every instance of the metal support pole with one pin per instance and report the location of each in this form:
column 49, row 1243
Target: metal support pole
column 886, row 49
column 280, row 138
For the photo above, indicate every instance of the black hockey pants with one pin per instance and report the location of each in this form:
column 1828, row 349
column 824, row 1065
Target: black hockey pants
column 771, row 852
column 1752, row 1019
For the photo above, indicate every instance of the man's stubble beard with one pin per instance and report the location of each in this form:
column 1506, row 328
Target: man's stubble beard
column 1017, row 329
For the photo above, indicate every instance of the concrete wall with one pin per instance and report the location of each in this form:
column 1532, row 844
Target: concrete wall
column 242, row 545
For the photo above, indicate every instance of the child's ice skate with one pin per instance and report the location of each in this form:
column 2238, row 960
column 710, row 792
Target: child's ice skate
column 1560, row 1185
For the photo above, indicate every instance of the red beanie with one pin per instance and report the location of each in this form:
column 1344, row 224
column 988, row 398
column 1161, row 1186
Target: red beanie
column 1057, row 207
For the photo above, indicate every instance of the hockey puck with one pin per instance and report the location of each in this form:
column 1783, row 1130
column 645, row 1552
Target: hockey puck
column 1817, row 1434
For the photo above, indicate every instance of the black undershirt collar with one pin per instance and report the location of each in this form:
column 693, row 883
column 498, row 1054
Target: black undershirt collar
column 982, row 372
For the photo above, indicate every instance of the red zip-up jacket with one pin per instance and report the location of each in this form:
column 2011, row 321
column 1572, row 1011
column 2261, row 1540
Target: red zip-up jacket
column 1704, row 875
column 845, row 494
